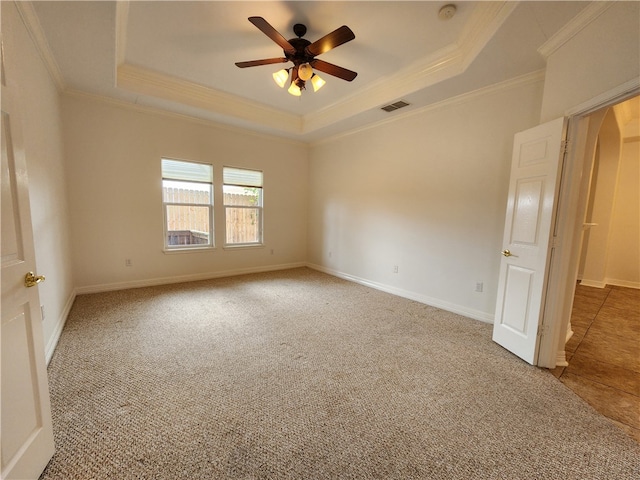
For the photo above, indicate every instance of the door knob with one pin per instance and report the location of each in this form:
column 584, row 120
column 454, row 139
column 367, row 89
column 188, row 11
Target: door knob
column 506, row 253
column 31, row 279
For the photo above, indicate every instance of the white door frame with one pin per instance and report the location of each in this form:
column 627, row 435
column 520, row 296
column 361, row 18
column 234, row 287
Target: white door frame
column 572, row 203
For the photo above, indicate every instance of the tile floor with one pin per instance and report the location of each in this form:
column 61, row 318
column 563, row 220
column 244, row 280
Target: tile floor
column 604, row 353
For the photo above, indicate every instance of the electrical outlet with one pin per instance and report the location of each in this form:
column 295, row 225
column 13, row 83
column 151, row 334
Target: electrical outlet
column 128, row 262
column 272, row 251
column 479, row 286
column 395, row 269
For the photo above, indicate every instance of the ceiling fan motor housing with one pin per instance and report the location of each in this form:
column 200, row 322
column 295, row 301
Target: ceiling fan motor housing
column 300, row 56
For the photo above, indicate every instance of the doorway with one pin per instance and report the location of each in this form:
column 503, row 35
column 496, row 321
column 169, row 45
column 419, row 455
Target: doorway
column 610, row 254
column 567, row 232
column 604, row 330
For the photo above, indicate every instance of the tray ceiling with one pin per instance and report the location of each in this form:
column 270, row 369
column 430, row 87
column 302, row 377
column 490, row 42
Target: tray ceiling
column 179, row 56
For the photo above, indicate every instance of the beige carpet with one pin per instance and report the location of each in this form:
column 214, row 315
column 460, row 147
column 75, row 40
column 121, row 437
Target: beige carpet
column 297, row 374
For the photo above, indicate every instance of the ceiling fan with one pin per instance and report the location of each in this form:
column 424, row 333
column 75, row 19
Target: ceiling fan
column 303, row 54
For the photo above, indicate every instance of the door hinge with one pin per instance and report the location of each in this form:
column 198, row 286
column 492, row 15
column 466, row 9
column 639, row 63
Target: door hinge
column 564, row 146
column 540, row 329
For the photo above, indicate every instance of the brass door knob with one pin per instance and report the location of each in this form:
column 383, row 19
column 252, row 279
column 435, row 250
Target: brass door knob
column 31, row 279
column 506, row 253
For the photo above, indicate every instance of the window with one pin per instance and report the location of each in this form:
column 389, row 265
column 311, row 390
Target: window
column 242, row 206
column 187, row 198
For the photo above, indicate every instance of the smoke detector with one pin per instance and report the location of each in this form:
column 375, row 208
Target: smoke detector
column 447, row 12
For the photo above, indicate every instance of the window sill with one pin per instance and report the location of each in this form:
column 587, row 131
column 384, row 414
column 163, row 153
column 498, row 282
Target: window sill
column 243, row 246
column 174, row 251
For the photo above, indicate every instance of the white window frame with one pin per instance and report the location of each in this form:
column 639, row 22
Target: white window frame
column 259, row 207
column 188, row 247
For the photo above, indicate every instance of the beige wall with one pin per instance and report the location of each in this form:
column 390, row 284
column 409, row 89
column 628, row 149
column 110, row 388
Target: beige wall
column 113, row 165
column 611, row 250
column 39, row 104
column 426, row 193
column 611, row 247
column 623, row 265
column 604, row 179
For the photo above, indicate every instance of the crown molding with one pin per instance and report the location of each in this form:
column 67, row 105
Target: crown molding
column 446, row 64
column 573, row 27
column 530, row 78
column 523, row 80
column 487, row 19
column 442, row 65
column 147, row 82
column 161, row 112
column 33, row 26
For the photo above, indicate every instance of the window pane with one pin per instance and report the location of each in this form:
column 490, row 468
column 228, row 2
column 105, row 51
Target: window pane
column 243, row 225
column 240, row 176
column 247, row 196
column 188, row 225
column 186, row 192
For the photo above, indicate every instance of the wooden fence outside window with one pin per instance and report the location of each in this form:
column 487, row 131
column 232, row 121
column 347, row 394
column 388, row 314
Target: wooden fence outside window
column 189, row 224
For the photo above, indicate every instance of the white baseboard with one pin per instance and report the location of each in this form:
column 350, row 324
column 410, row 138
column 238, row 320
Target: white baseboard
column 623, row 283
column 592, row 283
column 434, row 302
column 57, row 331
column 107, row 287
column 609, row 281
column 561, row 359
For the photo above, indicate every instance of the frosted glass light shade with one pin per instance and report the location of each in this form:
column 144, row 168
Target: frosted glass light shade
column 280, row 77
column 295, row 90
column 305, row 72
column 317, row 82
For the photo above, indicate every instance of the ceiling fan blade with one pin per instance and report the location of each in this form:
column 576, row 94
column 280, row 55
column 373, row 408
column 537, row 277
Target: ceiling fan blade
column 266, row 61
column 332, row 69
column 273, row 34
column 331, row 40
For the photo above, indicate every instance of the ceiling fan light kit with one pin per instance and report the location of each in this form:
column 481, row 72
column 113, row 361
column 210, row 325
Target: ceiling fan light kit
column 302, row 53
column 299, row 84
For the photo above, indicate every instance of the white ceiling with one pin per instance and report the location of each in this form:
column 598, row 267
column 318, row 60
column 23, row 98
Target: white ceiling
column 179, row 56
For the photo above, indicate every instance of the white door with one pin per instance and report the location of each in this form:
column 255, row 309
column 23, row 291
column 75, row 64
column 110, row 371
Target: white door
column 27, row 434
column 533, row 186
